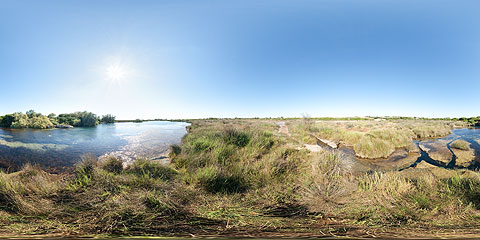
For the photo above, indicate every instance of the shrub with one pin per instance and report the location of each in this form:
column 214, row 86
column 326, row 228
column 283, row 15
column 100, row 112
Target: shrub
column 8, row 196
column 323, row 183
column 21, row 121
column 202, row 144
column 175, row 150
column 373, row 147
column 113, row 164
column 84, row 172
column 109, row 118
column 40, row 122
column 87, row 119
column 216, row 181
column 148, row 169
column 467, row 189
column 7, row 120
column 460, row 144
column 236, row 137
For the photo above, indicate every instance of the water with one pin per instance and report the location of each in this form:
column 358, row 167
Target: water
column 470, row 135
column 437, row 148
column 59, row 149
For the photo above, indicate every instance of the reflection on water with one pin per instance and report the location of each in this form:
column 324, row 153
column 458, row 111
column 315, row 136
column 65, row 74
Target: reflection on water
column 56, row 149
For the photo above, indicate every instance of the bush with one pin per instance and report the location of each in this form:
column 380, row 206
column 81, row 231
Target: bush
column 148, row 169
column 21, row 121
column 236, row 137
column 109, row 118
column 40, row 122
column 323, row 183
column 78, row 119
column 461, row 144
column 84, row 172
column 373, row 147
column 215, row 181
column 175, row 150
column 7, row 121
column 87, row 119
column 113, row 165
column 8, row 196
column 202, row 145
column 466, row 189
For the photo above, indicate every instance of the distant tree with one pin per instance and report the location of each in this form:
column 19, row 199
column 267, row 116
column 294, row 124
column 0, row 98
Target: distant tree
column 69, row 119
column 21, row 120
column 87, row 119
column 40, row 122
column 52, row 115
column 32, row 113
column 109, row 118
column 7, row 120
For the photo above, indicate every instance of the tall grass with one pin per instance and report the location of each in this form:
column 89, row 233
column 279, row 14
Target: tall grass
column 371, row 139
column 240, row 176
column 9, row 199
column 460, row 144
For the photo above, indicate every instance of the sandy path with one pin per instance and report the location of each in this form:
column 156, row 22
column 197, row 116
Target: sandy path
column 283, row 128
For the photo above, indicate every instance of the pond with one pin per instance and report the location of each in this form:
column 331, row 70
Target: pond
column 431, row 153
column 59, row 149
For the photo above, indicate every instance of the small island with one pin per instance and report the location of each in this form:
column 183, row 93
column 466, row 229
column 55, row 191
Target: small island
column 32, row 119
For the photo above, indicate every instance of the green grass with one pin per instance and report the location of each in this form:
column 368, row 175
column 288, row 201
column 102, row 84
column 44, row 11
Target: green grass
column 460, row 144
column 373, row 139
column 242, row 176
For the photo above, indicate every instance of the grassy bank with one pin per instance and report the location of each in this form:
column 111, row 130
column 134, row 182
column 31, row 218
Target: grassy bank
column 373, row 139
column 241, row 177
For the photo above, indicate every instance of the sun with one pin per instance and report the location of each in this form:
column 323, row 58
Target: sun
column 116, row 72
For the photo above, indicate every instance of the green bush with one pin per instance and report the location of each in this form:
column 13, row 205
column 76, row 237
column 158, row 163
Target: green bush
column 215, row 181
column 84, row 172
column 175, row 150
column 109, row 118
column 461, row 144
column 7, row 120
column 202, row 145
column 113, row 164
column 466, row 189
column 148, row 169
column 21, row 120
column 236, row 137
column 8, row 196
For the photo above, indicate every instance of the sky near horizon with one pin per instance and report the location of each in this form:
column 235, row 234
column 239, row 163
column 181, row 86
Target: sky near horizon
column 245, row 58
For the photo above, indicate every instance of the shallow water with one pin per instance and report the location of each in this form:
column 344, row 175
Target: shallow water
column 57, row 149
column 470, row 135
column 401, row 159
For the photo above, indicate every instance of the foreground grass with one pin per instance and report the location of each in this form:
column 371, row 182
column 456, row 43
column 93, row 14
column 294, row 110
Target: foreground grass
column 235, row 178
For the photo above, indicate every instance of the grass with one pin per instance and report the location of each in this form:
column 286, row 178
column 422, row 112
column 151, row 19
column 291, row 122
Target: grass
column 373, row 139
column 460, row 144
column 241, row 177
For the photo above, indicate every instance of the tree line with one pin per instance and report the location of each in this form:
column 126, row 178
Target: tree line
column 32, row 119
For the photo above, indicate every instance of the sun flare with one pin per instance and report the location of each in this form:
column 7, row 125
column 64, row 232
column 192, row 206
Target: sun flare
column 115, row 72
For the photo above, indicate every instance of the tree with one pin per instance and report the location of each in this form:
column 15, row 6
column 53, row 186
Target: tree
column 87, row 119
column 7, row 121
column 21, row 120
column 109, row 118
column 40, row 122
column 32, row 113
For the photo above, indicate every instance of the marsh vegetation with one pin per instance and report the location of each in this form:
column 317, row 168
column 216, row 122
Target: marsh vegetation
column 243, row 177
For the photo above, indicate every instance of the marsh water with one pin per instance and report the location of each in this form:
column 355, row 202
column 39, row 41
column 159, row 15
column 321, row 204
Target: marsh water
column 58, row 149
column 438, row 154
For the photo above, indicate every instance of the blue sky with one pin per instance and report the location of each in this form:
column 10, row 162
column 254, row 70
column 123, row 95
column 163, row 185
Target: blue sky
column 265, row 58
